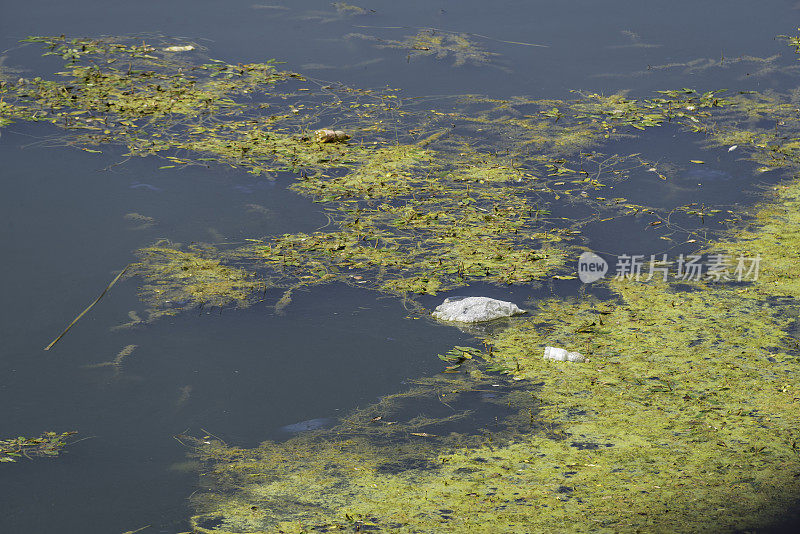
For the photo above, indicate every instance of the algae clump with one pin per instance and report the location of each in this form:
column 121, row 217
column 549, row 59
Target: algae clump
column 49, row 445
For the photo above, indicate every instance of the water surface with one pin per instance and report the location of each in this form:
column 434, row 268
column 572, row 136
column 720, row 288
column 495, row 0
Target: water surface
column 70, row 220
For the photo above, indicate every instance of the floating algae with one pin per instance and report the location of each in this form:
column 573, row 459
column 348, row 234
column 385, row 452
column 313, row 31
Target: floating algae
column 684, row 418
column 182, row 279
column 316, row 479
column 408, row 216
column 48, row 445
column 438, row 43
column 680, row 384
column 414, row 212
column 343, row 12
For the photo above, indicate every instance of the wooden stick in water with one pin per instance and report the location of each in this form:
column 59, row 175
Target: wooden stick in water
column 114, row 281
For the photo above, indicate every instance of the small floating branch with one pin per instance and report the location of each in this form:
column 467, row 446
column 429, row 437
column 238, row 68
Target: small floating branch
column 84, row 312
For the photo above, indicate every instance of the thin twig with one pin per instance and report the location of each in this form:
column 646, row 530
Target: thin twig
column 114, row 281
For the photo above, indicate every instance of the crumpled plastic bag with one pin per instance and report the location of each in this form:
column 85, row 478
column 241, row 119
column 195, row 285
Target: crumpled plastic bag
column 474, row 309
column 562, row 355
column 331, row 136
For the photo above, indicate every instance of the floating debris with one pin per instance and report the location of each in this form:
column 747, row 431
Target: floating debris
column 474, row 309
column 562, row 355
column 331, row 136
column 184, row 48
column 84, row 312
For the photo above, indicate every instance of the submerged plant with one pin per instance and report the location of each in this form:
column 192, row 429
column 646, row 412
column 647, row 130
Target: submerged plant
column 440, row 44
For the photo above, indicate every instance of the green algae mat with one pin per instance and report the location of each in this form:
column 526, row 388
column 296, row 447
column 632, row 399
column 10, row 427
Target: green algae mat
column 685, row 416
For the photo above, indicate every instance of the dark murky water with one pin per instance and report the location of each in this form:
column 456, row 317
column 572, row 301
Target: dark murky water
column 246, row 375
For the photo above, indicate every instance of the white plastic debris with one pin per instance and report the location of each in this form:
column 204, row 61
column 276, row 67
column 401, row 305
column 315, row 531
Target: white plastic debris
column 732, row 148
column 561, row 355
column 474, row 309
column 185, row 48
column 330, row 136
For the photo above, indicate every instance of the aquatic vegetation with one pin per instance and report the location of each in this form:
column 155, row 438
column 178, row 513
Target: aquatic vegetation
column 414, row 209
column 116, row 363
column 158, row 104
column 773, row 235
column 748, row 65
column 427, row 216
column 792, row 40
column 343, row 10
column 135, row 320
column 317, row 480
column 690, row 390
column 142, row 222
column 437, row 43
column 177, row 279
column 764, row 122
column 683, row 417
column 423, row 200
column 344, row 7
column 185, row 395
column 48, row 444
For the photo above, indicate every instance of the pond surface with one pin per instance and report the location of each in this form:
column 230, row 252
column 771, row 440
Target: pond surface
column 70, row 220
